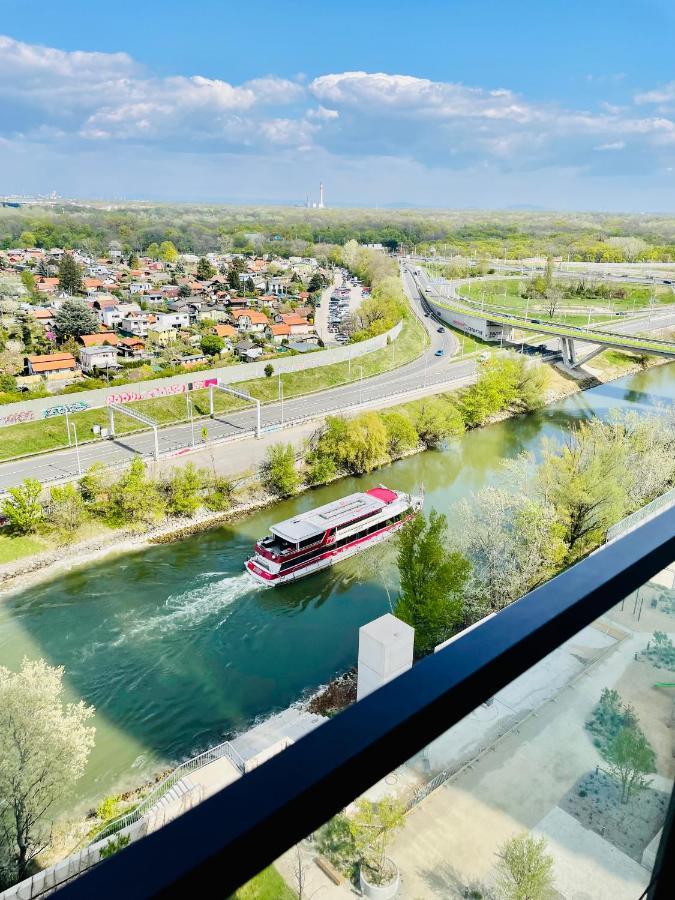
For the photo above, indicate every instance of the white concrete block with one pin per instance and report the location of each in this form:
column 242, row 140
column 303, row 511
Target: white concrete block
column 385, row 651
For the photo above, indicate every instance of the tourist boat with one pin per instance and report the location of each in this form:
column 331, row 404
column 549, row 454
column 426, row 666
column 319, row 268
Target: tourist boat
column 316, row 539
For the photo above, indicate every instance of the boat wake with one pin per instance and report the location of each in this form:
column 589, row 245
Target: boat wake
column 193, row 607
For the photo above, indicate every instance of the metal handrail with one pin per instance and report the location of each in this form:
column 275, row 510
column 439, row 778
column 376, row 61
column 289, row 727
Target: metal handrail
column 164, row 786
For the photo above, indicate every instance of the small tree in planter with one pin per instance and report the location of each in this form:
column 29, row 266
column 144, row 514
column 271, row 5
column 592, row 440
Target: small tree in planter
column 373, row 827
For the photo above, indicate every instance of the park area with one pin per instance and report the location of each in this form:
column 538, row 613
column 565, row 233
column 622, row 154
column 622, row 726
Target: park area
column 575, row 301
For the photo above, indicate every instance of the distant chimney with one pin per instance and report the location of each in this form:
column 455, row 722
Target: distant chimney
column 321, row 199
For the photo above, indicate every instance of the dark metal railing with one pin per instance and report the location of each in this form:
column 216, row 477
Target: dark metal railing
column 224, row 841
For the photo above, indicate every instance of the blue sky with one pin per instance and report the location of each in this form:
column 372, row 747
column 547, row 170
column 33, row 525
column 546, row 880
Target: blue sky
column 458, row 104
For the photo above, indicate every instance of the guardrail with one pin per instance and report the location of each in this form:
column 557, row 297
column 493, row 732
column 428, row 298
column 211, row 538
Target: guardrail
column 197, row 762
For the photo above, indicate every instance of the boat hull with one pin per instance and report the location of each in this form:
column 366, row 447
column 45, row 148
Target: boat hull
column 327, row 558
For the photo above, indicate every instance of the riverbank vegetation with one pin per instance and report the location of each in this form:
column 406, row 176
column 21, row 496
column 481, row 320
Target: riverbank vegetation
column 542, row 517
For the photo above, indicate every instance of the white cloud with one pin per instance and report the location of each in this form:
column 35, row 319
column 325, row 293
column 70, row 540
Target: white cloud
column 611, row 145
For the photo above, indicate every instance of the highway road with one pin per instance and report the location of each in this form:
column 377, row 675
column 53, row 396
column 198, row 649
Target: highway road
column 424, row 371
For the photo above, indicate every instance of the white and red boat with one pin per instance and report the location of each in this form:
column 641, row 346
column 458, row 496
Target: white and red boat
column 316, row 539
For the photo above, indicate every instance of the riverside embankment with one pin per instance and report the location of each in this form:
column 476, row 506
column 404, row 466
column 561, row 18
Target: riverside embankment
column 177, row 650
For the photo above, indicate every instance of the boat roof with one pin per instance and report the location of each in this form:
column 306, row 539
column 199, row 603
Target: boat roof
column 332, row 515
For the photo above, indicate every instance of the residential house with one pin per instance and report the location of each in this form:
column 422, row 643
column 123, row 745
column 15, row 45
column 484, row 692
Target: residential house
column 250, row 320
column 298, row 325
column 277, row 284
column 139, row 287
column 214, row 314
column 225, row 331
column 137, row 324
column 195, row 359
column 45, row 285
column 103, row 358
column 98, row 340
column 59, row 364
column 247, row 350
column 173, row 320
column 43, row 316
column 162, row 335
column 131, row 347
column 113, row 314
column 277, row 333
column 92, row 285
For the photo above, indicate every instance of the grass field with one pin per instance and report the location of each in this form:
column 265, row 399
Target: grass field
column 267, row 885
column 506, row 293
column 50, row 434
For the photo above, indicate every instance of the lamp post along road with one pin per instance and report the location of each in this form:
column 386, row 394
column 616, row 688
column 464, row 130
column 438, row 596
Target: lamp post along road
column 77, row 448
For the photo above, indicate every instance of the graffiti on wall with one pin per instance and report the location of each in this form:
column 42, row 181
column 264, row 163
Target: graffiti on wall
column 63, row 408
column 17, row 418
column 165, row 390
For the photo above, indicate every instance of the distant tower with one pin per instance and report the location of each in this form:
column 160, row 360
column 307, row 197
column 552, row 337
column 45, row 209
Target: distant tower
column 321, row 203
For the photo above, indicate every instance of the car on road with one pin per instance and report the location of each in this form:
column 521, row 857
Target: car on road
column 341, row 338
column 485, row 355
column 440, row 330
column 439, row 353
column 426, row 315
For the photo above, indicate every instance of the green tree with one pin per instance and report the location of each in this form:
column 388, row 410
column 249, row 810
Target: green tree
column 22, row 507
column 630, row 758
column 219, row 493
column 28, row 281
column 44, row 747
column 437, row 421
column 372, row 827
column 66, row 508
column 183, row 490
column 432, row 581
column 211, row 344
column 70, row 275
column 319, row 468
column 153, row 250
column 133, row 261
column 75, row 319
column 184, row 291
column 278, row 471
column 269, row 370
column 135, row 497
column 27, row 239
column 315, row 283
column 401, row 433
column 168, row 252
column 525, row 869
column 205, row 270
column 233, row 281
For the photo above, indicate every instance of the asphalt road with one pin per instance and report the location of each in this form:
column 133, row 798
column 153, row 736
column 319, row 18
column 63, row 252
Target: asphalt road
column 424, row 371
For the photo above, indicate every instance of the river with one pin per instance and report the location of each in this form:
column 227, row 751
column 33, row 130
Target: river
column 177, row 649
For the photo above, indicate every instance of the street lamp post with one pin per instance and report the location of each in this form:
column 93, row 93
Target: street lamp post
column 191, row 417
column 77, row 448
column 70, row 443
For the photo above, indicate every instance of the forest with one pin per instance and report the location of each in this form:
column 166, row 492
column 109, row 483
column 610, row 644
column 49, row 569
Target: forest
column 590, row 237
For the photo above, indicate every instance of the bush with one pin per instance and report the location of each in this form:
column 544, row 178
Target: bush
column 114, row 845
column 218, row 496
column 107, row 808
column 278, row 472
column 269, row 370
column 437, row 421
column 66, row 508
column 401, row 433
column 22, row 507
column 319, row 469
column 183, row 490
column 135, row 498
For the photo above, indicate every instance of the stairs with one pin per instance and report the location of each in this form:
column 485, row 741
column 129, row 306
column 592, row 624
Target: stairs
column 178, row 799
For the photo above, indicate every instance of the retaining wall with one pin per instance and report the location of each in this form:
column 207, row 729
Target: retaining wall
column 48, row 407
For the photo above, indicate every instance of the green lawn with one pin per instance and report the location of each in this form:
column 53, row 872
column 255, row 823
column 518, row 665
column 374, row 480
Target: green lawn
column 50, row 434
column 267, row 885
column 19, row 546
column 506, row 293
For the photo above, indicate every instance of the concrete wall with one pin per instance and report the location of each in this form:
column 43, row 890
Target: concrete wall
column 385, row 651
column 48, row 407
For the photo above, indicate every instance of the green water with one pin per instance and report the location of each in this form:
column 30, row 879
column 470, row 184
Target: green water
column 178, row 650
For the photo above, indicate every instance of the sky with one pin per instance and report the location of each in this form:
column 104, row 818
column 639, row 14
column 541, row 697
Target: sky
column 438, row 103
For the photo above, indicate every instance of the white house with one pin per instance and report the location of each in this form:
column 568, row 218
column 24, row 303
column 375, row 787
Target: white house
column 103, row 358
column 139, row 287
column 173, row 320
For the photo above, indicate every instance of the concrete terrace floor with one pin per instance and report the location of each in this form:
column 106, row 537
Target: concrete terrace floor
column 450, row 839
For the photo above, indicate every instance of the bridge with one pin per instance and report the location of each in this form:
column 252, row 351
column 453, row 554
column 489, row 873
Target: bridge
column 495, row 325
